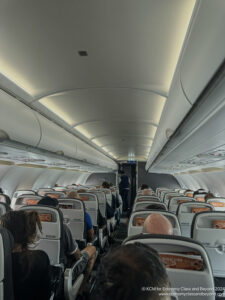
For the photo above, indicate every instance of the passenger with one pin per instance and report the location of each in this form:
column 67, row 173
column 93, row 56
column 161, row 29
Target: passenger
column 144, row 186
column 70, row 247
column 105, row 185
column 81, row 191
column 124, row 187
column 155, row 206
column 1, row 191
column 208, row 196
column 132, row 272
column 31, row 268
column 88, row 221
column 146, row 192
column 157, row 224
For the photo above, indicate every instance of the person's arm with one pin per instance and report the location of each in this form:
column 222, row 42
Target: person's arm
column 71, row 247
column 89, row 227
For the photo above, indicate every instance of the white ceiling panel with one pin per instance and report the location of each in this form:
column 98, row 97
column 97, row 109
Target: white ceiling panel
column 116, row 92
column 85, row 105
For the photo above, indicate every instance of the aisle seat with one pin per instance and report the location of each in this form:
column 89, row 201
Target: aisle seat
column 148, row 204
column 137, row 219
column 74, row 217
column 55, row 195
column 187, row 263
column 146, row 198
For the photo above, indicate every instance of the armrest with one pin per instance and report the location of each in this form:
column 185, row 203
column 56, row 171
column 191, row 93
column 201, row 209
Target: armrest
column 73, row 278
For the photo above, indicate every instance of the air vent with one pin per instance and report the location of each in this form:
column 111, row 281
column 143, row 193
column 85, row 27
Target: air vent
column 83, row 53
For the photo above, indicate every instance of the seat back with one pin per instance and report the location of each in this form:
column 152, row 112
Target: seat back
column 19, row 193
column 6, row 277
column 146, row 198
column 186, row 212
column 3, row 208
column 137, row 219
column 143, row 205
column 74, row 217
column 187, row 264
column 175, row 201
column 101, row 201
column 168, row 196
column 217, row 203
column 159, row 190
column 200, row 197
column 55, row 195
column 164, row 192
column 209, row 229
column 91, row 206
column 43, row 191
column 24, row 200
column 51, row 236
column 189, row 194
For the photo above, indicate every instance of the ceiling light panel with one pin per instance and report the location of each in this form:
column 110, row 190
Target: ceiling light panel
column 134, row 83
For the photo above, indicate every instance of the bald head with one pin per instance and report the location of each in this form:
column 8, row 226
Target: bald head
column 157, row 224
column 146, row 192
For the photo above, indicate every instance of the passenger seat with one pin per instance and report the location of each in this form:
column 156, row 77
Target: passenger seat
column 187, row 264
column 137, row 219
column 6, row 277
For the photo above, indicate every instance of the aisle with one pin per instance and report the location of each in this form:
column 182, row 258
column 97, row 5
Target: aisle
column 121, row 232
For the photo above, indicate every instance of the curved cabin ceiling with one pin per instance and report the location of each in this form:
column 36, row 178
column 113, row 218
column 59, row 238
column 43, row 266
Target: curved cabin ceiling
column 114, row 95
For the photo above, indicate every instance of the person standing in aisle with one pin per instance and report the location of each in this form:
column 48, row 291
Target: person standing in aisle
column 124, row 187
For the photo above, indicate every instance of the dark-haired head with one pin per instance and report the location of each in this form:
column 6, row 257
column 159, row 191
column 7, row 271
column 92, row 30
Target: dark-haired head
column 156, row 206
column 23, row 226
column 105, row 185
column 144, row 186
column 127, row 269
column 48, row 201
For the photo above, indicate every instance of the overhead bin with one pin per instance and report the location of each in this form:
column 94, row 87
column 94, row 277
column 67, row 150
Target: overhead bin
column 205, row 48
column 24, row 125
column 56, row 139
column 202, row 55
column 18, row 121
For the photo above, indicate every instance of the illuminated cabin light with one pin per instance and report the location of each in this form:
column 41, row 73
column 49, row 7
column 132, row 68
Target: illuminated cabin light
column 83, row 131
column 96, row 142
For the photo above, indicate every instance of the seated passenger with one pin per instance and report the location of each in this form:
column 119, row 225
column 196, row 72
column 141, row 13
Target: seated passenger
column 144, row 186
column 128, row 273
column 71, row 249
column 88, row 221
column 155, row 206
column 157, row 224
column 146, row 192
column 31, row 268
